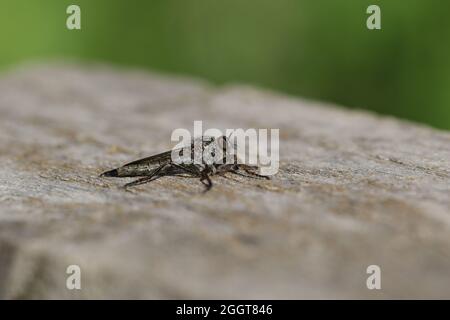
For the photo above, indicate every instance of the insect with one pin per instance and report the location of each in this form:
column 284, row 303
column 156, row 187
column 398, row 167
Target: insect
column 162, row 164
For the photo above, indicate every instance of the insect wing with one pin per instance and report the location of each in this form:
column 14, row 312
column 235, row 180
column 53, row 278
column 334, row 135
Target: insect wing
column 157, row 158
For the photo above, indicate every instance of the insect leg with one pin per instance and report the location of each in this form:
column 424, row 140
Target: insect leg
column 249, row 174
column 187, row 169
column 141, row 181
column 205, row 176
column 194, row 171
column 256, row 175
column 147, row 178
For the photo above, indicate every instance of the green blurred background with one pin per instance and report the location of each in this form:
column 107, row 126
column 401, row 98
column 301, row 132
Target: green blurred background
column 318, row 49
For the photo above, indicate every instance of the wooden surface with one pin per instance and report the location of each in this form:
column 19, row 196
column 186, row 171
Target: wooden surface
column 353, row 190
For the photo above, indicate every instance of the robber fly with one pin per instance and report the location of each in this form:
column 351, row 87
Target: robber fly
column 162, row 164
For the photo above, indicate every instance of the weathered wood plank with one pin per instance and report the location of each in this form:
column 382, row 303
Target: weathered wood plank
column 353, row 190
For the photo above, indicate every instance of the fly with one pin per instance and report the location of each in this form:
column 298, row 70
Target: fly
column 162, row 164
